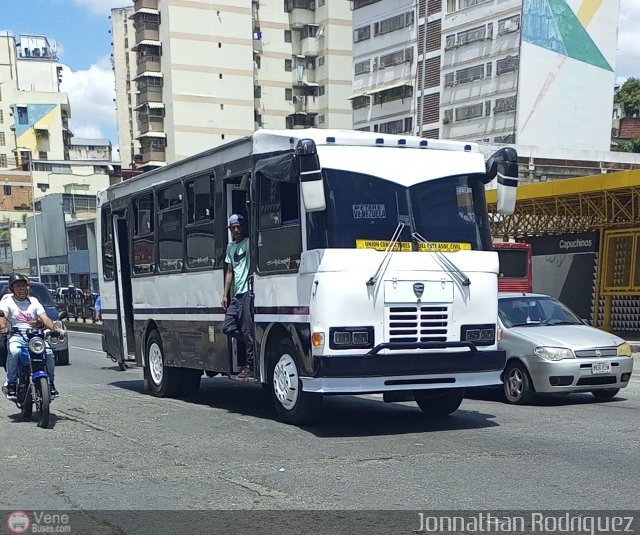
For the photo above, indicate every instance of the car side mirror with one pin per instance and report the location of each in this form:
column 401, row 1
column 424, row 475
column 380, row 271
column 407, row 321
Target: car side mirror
column 62, row 316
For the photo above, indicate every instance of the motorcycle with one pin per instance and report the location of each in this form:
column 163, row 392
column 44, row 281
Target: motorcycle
column 33, row 377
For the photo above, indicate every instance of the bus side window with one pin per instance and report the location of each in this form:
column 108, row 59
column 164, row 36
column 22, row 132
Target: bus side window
column 107, row 243
column 169, row 202
column 199, row 227
column 143, row 234
column 280, row 240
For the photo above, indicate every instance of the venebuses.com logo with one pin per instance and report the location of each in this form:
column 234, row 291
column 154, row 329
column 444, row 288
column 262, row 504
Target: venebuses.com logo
column 18, row 522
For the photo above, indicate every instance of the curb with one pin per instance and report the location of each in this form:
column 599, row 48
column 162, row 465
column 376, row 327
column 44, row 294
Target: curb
column 84, row 327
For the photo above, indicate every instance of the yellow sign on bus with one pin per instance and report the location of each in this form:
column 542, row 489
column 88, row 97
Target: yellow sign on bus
column 443, row 247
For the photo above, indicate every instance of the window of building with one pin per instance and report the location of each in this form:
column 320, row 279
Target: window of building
column 199, row 230
column 487, row 108
column 504, row 105
column 310, row 30
column 489, row 69
column 396, row 58
column 362, row 34
column 321, row 90
column 77, row 239
column 1, row 116
column 42, row 155
column 448, row 116
column 471, row 36
column 3, row 160
column 2, row 139
column 357, row 4
column 287, row 36
column 321, row 119
column 23, row 115
column 469, row 112
column 169, row 201
column 364, row 129
column 7, row 190
column 393, row 23
column 395, row 93
column 509, row 25
column 360, row 102
column 449, row 79
column 320, row 61
column 143, row 235
column 408, row 124
column 464, row 76
column 362, row 67
column 288, row 93
column 257, row 91
column 288, row 65
column 506, row 138
column 508, row 64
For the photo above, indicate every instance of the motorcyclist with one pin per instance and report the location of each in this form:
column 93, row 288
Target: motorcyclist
column 23, row 312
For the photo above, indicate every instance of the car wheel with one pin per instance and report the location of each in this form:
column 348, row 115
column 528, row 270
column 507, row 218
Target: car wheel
column 439, row 405
column 605, row 394
column 518, row 388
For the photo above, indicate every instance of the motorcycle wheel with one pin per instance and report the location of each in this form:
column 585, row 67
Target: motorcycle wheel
column 42, row 405
column 26, row 407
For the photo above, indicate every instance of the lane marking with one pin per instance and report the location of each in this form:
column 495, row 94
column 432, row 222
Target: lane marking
column 87, row 349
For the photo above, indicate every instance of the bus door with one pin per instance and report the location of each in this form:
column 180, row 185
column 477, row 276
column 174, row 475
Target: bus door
column 123, row 285
column 236, row 196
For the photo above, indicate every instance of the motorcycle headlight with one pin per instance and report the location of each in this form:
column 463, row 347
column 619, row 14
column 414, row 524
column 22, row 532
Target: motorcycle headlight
column 36, row 345
column 624, row 350
column 554, row 353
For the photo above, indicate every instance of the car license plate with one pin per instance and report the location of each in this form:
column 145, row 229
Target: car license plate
column 601, row 367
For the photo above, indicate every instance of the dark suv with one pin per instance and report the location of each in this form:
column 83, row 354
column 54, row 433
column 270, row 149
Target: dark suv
column 41, row 293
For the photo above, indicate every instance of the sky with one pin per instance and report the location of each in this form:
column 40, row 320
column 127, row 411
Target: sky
column 82, row 30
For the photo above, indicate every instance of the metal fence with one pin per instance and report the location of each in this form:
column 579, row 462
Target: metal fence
column 78, row 307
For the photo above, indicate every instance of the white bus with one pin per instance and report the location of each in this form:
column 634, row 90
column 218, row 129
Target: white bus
column 372, row 267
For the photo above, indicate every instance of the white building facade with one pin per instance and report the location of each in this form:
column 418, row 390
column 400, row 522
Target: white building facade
column 208, row 74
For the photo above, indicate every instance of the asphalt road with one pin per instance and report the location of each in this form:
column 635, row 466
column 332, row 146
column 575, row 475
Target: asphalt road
column 113, row 446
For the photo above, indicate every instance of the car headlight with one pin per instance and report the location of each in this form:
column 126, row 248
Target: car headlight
column 36, row 345
column 554, row 353
column 59, row 326
column 624, row 350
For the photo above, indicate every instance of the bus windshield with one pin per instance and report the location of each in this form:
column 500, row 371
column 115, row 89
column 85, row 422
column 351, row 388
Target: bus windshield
column 364, row 208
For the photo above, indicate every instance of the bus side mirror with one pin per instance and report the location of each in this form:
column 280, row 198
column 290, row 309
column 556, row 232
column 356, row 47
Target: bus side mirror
column 310, row 174
column 503, row 166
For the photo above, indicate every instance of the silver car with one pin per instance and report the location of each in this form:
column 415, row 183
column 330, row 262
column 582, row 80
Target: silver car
column 550, row 350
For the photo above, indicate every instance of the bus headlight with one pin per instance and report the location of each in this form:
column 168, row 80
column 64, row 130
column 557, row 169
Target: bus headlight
column 480, row 335
column 351, row 337
column 36, row 345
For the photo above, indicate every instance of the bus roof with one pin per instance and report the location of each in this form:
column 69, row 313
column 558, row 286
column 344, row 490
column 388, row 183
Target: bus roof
column 265, row 141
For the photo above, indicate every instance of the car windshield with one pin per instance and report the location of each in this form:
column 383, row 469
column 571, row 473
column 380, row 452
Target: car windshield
column 525, row 311
column 40, row 292
column 367, row 209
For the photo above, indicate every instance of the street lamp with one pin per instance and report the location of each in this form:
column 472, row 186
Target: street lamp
column 33, row 205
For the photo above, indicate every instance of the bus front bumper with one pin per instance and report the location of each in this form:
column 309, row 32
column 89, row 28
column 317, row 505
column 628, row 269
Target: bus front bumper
column 361, row 374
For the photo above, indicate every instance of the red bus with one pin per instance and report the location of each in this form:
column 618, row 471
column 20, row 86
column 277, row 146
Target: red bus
column 515, row 267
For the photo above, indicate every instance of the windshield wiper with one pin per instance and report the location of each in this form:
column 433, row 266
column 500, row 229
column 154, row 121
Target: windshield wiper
column 445, row 262
column 394, row 240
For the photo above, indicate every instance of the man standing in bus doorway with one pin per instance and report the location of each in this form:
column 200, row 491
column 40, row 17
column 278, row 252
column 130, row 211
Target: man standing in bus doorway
column 238, row 322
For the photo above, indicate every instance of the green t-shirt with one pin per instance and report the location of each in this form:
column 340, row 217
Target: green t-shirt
column 238, row 257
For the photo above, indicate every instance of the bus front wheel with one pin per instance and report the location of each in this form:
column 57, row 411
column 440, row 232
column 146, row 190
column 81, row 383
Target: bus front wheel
column 292, row 404
column 163, row 380
column 439, row 404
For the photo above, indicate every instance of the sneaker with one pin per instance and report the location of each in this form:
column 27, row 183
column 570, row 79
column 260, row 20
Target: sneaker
column 53, row 390
column 11, row 392
column 246, row 373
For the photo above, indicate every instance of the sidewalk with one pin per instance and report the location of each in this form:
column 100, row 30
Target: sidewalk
column 81, row 326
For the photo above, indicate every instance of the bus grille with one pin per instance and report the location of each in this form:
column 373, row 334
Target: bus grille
column 417, row 324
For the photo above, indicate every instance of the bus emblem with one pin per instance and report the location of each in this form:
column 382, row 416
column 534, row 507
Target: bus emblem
column 418, row 289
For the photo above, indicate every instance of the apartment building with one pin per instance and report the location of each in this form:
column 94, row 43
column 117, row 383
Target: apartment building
column 531, row 72
column 207, row 74
column 123, row 61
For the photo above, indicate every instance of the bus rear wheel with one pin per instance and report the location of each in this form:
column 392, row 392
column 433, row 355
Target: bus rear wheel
column 292, row 404
column 163, row 380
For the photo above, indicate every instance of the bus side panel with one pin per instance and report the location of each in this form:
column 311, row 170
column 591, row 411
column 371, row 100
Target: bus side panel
column 268, row 334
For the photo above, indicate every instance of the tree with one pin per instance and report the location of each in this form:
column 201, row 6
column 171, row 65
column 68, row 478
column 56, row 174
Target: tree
column 629, row 97
column 628, row 145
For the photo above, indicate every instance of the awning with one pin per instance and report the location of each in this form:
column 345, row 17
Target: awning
column 147, row 42
column 152, row 134
column 40, row 126
column 356, row 95
column 147, row 10
column 152, row 74
column 388, row 86
column 152, row 105
column 311, row 84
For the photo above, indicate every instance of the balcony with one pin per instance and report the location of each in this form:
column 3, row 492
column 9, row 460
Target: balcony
column 300, row 120
column 147, row 32
column 304, row 76
column 310, row 46
column 306, row 104
column 145, row 4
column 149, row 95
column 150, row 124
column 148, row 63
column 301, row 12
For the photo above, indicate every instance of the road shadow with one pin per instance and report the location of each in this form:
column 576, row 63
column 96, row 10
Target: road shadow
column 550, row 400
column 341, row 416
column 18, row 419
